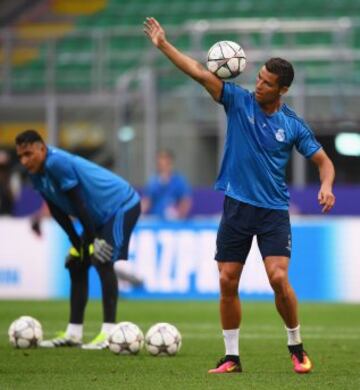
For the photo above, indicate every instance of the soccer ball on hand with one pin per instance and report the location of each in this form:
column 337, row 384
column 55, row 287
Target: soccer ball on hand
column 126, row 339
column 163, row 339
column 226, row 59
column 25, row 332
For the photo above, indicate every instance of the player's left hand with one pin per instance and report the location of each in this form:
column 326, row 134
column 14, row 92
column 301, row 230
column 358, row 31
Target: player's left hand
column 103, row 251
column 326, row 198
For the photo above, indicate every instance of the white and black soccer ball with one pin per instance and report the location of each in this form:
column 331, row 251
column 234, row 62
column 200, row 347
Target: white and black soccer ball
column 226, row 59
column 25, row 332
column 126, row 339
column 163, row 339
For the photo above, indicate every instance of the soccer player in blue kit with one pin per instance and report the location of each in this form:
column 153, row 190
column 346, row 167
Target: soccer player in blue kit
column 261, row 133
column 167, row 194
column 107, row 208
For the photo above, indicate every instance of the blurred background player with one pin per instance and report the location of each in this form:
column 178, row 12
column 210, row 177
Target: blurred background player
column 261, row 134
column 107, row 208
column 167, row 194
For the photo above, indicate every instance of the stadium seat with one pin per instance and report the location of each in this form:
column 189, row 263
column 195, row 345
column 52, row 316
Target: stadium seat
column 75, row 55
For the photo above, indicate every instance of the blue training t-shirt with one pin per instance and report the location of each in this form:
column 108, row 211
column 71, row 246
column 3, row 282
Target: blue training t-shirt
column 257, row 149
column 103, row 192
column 166, row 195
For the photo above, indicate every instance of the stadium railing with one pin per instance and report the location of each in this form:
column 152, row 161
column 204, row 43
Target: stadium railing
column 91, row 60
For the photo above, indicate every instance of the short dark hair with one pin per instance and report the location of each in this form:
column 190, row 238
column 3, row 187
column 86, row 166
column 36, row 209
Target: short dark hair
column 28, row 137
column 167, row 152
column 283, row 69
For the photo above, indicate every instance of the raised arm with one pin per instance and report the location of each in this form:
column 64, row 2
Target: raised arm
column 326, row 197
column 188, row 65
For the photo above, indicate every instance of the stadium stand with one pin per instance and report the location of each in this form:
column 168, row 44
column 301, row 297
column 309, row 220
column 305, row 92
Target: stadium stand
column 111, row 29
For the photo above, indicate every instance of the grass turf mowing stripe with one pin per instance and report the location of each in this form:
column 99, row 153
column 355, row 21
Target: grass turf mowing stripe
column 329, row 331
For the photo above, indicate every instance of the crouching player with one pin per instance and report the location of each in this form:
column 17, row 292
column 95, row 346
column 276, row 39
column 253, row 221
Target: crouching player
column 106, row 206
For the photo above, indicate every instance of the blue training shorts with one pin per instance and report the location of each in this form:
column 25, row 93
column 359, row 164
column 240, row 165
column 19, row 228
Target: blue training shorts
column 241, row 221
column 118, row 229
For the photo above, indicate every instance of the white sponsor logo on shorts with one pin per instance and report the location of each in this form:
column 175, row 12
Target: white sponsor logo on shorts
column 289, row 243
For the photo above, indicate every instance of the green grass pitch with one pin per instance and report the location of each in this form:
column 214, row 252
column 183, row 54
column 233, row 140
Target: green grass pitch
column 331, row 334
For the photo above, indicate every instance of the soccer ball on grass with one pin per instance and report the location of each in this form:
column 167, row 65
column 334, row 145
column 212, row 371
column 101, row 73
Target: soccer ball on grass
column 226, row 59
column 163, row 339
column 25, row 332
column 126, row 339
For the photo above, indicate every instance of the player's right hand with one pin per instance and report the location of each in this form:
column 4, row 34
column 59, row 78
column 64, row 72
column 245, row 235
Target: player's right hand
column 79, row 255
column 154, row 31
column 99, row 251
column 72, row 256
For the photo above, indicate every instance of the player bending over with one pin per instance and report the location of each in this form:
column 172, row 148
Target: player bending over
column 107, row 208
column 261, row 133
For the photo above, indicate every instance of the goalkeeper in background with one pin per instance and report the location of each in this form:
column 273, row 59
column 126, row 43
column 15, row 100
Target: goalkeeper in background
column 106, row 206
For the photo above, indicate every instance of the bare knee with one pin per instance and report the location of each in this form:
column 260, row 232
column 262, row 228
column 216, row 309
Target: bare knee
column 279, row 282
column 229, row 284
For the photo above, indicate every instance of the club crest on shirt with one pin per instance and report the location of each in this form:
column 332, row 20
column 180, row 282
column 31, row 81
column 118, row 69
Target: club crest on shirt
column 280, row 135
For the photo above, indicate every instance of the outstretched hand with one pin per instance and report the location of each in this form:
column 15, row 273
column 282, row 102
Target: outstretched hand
column 154, row 31
column 326, row 198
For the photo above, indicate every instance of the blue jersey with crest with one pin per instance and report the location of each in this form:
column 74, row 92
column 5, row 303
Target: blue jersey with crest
column 257, row 149
column 104, row 192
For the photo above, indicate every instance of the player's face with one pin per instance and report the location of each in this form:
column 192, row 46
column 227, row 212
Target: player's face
column 164, row 163
column 267, row 89
column 32, row 156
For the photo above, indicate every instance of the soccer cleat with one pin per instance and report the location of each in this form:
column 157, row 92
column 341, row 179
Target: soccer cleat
column 225, row 366
column 302, row 363
column 99, row 342
column 61, row 340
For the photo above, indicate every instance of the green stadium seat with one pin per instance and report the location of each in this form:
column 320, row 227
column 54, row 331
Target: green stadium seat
column 75, row 55
column 27, row 80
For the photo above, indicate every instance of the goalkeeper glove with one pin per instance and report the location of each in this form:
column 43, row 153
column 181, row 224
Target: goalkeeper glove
column 79, row 255
column 102, row 251
column 72, row 258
